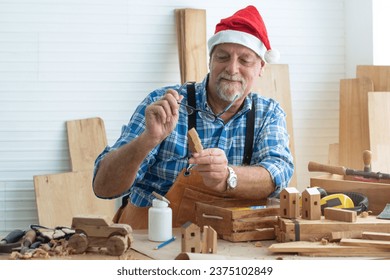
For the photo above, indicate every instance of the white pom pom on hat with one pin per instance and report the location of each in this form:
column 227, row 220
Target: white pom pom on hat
column 245, row 27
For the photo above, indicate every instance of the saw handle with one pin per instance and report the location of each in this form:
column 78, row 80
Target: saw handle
column 318, row 167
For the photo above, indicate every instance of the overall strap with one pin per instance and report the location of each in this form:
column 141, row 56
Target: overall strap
column 250, row 128
column 192, row 103
column 250, row 124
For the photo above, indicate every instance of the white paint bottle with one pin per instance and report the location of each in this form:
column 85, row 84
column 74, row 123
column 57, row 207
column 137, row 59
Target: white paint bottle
column 160, row 221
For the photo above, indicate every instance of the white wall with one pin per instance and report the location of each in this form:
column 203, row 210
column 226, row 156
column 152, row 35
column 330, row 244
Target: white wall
column 359, row 35
column 71, row 59
column 381, row 38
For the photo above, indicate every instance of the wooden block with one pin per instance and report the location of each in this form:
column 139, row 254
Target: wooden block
column 194, row 143
column 86, row 139
column 353, row 127
column 60, row 197
column 275, row 84
column 379, row 128
column 337, row 214
column 338, row 235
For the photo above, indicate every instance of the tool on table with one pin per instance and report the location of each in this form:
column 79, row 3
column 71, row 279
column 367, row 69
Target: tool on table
column 341, row 170
column 11, row 241
column 28, row 240
column 195, row 145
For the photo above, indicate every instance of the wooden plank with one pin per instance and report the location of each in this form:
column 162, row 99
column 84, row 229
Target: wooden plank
column 379, row 129
column 377, row 193
column 379, row 75
column 60, row 197
column 376, row 235
column 330, row 250
column 86, row 139
column 309, row 230
column 191, row 33
column 366, row 243
column 333, row 154
column 353, row 128
column 343, row 215
column 261, row 234
column 275, row 84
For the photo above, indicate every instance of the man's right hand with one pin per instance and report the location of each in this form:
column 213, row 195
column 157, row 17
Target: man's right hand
column 162, row 116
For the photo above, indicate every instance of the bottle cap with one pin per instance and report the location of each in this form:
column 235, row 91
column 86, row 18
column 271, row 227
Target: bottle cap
column 159, row 203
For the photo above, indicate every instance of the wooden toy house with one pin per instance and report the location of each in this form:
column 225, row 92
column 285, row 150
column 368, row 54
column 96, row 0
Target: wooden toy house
column 190, row 238
column 311, row 206
column 289, row 203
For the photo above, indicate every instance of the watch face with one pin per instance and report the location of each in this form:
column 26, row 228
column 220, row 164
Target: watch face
column 233, row 182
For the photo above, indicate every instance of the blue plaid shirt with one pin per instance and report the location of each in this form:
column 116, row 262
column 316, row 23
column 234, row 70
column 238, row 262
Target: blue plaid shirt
column 160, row 168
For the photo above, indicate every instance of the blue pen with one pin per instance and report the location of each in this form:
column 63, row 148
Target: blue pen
column 165, row 243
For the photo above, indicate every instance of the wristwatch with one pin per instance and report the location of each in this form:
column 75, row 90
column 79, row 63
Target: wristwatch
column 231, row 180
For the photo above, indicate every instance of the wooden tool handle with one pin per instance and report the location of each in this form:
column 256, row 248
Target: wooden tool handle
column 318, row 167
column 367, row 160
column 29, row 238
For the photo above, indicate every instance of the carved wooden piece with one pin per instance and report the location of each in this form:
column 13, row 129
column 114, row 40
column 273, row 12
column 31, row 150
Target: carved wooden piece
column 100, row 231
column 194, row 143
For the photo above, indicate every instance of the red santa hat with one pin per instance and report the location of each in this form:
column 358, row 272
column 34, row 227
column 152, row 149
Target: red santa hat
column 246, row 27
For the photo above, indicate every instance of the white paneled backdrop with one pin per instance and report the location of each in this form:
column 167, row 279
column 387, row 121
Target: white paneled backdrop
column 71, row 59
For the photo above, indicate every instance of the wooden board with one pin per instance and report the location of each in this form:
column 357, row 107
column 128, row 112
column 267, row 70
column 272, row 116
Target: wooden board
column 366, row 243
column 86, row 139
column 330, row 250
column 59, row 197
column 353, row 130
column 379, row 120
column 192, row 43
column 314, row 230
column 379, row 75
column 275, row 84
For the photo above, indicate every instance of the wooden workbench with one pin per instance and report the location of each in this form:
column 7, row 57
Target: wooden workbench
column 143, row 249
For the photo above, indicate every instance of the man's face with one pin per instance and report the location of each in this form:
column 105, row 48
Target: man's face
column 233, row 69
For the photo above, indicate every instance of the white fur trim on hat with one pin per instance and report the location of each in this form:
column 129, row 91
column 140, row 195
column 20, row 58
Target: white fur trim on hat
column 238, row 37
